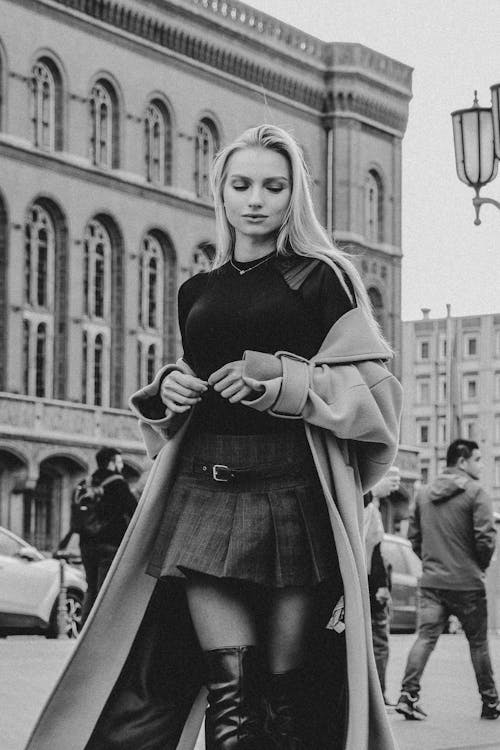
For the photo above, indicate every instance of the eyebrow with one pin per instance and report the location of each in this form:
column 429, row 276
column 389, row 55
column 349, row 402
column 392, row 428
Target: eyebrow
column 267, row 179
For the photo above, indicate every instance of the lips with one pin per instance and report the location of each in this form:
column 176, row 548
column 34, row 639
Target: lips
column 255, row 216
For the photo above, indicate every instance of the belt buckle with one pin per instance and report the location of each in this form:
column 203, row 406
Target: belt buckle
column 217, row 469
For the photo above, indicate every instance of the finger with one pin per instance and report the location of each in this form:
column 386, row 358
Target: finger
column 231, row 379
column 231, row 389
column 186, row 380
column 240, row 395
column 253, row 384
column 178, row 408
column 216, row 376
column 173, row 389
column 179, row 399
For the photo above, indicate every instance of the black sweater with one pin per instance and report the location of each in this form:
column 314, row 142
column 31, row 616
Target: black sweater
column 223, row 313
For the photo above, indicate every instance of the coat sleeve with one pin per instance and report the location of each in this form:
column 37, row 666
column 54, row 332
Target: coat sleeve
column 484, row 528
column 359, row 402
column 157, row 423
column 414, row 530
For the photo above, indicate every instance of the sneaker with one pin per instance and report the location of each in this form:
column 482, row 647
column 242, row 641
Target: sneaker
column 490, row 711
column 407, row 706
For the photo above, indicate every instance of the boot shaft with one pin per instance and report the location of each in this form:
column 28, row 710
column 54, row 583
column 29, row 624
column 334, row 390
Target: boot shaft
column 235, row 715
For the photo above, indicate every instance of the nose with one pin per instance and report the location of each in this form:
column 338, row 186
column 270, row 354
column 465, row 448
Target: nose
column 255, row 197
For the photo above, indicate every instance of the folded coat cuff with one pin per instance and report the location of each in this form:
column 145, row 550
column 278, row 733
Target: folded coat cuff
column 294, row 387
column 284, row 378
column 147, row 404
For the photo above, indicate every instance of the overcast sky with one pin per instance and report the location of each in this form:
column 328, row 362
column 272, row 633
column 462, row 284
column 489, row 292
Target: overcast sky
column 454, row 48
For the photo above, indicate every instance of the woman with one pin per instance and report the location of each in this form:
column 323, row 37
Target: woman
column 284, row 413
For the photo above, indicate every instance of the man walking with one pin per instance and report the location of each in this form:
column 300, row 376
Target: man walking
column 453, row 532
column 114, row 507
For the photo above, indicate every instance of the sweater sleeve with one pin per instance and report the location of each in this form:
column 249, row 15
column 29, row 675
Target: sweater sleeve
column 326, row 295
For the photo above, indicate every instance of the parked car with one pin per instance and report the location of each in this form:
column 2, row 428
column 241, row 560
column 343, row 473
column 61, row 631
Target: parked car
column 405, row 569
column 29, row 590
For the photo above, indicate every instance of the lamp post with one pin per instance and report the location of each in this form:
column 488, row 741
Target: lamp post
column 476, row 135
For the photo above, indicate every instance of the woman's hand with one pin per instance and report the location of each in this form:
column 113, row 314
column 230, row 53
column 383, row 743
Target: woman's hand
column 229, row 382
column 180, row 391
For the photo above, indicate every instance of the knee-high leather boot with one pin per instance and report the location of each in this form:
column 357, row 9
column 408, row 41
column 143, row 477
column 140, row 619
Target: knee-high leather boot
column 234, row 719
column 287, row 721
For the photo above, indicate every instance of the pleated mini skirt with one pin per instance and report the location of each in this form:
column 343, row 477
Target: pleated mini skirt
column 269, row 525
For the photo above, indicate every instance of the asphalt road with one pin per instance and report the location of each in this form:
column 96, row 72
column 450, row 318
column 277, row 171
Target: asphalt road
column 29, row 667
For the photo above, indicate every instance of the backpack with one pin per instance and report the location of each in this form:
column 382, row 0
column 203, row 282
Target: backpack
column 85, row 517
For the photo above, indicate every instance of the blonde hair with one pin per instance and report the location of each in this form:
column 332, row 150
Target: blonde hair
column 300, row 233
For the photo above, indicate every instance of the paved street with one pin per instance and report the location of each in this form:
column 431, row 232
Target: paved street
column 30, row 665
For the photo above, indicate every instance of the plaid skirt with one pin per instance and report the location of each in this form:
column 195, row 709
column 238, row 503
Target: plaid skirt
column 263, row 519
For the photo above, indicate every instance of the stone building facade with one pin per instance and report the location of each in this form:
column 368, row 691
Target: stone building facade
column 451, row 376
column 110, row 113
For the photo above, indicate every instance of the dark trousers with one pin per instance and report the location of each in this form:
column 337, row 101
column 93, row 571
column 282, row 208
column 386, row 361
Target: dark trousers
column 380, row 638
column 434, row 608
column 96, row 560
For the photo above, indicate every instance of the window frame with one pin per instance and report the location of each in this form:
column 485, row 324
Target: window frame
column 467, row 340
column 206, row 146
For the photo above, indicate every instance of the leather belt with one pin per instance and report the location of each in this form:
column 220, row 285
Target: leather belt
column 224, row 473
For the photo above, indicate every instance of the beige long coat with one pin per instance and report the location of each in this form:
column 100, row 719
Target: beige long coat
column 350, row 404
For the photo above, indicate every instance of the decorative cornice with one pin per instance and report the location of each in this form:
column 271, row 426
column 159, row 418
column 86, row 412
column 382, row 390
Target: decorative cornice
column 324, row 60
column 350, row 102
column 191, row 46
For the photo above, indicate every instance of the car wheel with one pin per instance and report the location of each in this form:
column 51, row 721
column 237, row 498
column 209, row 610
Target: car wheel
column 73, row 618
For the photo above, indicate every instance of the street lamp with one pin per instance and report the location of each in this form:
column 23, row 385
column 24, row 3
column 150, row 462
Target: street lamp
column 476, row 134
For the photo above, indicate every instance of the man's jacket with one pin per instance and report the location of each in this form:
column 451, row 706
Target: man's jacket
column 115, row 508
column 453, row 532
column 133, row 678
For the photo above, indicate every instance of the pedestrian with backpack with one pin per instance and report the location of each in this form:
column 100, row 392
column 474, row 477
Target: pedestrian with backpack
column 101, row 510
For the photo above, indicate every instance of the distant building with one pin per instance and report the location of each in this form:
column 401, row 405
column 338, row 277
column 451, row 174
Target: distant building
column 451, row 379
column 110, row 114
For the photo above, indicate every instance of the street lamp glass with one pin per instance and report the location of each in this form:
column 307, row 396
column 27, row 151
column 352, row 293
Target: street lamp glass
column 495, row 111
column 474, row 148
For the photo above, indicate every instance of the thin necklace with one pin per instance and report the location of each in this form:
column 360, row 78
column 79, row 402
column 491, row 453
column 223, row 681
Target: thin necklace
column 242, row 271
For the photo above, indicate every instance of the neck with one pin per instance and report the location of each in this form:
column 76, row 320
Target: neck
column 253, row 248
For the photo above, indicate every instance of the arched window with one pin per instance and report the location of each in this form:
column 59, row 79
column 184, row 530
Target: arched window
column 95, row 365
column 98, row 369
column 45, row 300
column 4, row 282
column 104, row 118
column 85, row 364
column 97, row 270
column 158, row 143
column 374, row 205
column 1, row 89
column 206, row 145
column 43, row 106
column 151, row 362
column 39, row 252
column 37, row 362
column 26, row 356
column 41, row 359
column 97, row 288
column 151, row 305
column 151, row 286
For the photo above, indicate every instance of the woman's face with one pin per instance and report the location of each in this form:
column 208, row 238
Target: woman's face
column 257, row 191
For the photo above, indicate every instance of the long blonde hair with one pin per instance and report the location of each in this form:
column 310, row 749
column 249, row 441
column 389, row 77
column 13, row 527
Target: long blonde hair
column 300, row 232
